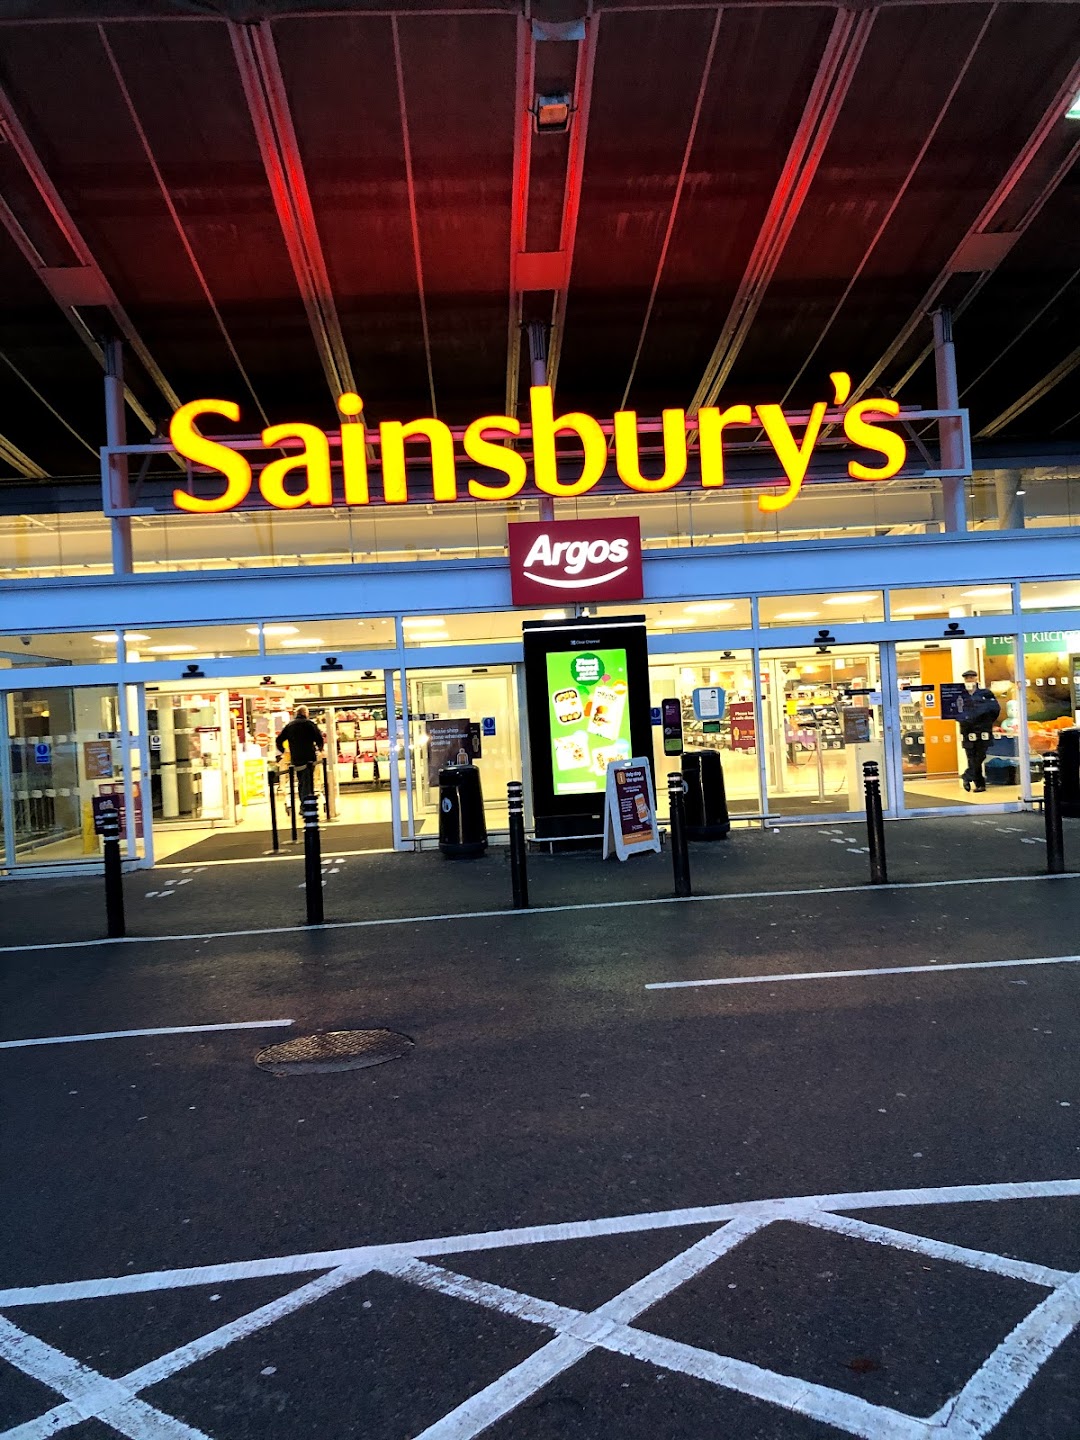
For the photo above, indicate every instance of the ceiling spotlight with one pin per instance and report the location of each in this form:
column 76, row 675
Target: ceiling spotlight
column 551, row 114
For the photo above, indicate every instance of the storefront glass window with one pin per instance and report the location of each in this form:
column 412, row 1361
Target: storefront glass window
column 734, row 735
column 825, row 609
column 673, row 617
column 951, row 602
column 81, row 648
column 66, row 758
column 193, row 642
column 326, row 637
column 1050, row 595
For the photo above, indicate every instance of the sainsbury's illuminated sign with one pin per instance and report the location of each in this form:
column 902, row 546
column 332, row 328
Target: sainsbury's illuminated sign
column 304, row 477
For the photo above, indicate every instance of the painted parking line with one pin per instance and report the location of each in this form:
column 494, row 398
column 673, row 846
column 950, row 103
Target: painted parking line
column 509, row 914
column 860, row 974
column 133, row 1034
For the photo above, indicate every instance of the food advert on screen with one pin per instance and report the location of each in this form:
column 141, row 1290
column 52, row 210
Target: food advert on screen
column 590, row 720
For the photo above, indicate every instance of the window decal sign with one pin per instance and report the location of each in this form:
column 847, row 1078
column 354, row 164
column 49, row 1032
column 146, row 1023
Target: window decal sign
column 302, row 474
column 563, row 561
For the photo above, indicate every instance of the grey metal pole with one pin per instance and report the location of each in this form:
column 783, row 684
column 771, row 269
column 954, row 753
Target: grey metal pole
column 519, row 878
column 1055, row 833
column 538, row 353
column 875, row 823
column 292, row 798
column 114, row 875
column 950, row 432
column 272, row 781
column 680, row 854
column 312, row 860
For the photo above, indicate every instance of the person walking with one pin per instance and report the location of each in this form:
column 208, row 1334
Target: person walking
column 978, row 712
column 306, row 744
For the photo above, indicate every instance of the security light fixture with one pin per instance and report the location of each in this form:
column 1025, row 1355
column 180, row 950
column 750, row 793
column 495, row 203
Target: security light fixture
column 551, row 113
column 332, row 663
column 953, row 629
column 192, row 672
column 823, row 640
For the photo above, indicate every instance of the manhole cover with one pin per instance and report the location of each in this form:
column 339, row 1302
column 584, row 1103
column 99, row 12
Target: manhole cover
column 336, row 1050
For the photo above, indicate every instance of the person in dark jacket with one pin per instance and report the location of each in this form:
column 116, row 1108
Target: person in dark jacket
column 306, row 744
column 979, row 711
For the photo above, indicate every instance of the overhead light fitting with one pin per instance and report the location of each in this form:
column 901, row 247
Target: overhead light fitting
column 332, row 663
column 953, row 629
column 551, row 113
column 192, row 672
column 823, row 640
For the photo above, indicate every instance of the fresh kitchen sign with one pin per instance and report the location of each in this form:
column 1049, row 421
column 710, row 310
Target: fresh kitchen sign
column 493, row 470
column 564, row 561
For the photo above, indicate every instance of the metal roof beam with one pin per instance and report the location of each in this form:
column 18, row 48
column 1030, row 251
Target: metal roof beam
column 83, row 284
column 575, row 166
column 20, row 461
column 981, row 226
column 835, row 72
column 1033, row 395
column 268, row 106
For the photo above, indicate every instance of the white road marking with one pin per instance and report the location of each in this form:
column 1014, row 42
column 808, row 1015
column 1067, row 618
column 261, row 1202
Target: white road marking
column 90, row 1392
column 380, row 1255
column 63, row 1416
column 158, row 1030
column 860, row 974
column 534, row 911
column 1000, row 1380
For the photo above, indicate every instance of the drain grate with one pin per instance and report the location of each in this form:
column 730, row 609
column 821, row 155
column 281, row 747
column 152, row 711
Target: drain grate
column 336, row 1050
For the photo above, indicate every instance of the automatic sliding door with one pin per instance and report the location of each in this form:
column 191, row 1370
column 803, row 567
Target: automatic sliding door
column 822, row 720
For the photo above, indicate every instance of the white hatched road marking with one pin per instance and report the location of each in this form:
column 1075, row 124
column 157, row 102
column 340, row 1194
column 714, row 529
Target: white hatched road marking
column 971, row 1414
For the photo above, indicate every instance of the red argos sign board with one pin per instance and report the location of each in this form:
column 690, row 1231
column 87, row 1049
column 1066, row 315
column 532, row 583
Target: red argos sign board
column 563, row 561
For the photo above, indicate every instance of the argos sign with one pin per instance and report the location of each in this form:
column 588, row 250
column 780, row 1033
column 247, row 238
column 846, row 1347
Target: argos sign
column 493, row 470
column 564, row 561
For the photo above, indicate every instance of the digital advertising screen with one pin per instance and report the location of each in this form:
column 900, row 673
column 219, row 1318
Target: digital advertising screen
column 587, row 692
column 589, row 717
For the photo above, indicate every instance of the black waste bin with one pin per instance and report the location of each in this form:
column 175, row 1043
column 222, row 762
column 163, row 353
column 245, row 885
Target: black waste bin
column 1069, row 760
column 706, row 798
column 462, row 828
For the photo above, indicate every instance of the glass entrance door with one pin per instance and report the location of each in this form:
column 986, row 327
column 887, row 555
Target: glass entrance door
column 959, row 724
column 821, row 712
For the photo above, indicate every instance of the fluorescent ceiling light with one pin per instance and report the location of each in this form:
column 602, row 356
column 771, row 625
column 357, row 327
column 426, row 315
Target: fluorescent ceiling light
column 274, row 629
column 423, row 622
column 170, row 649
column 1063, row 602
column 305, row 642
column 135, row 635
column 553, row 615
column 849, row 599
column 105, row 639
column 424, row 636
column 989, row 590
column 708, row 607
column 796, row 615
column 938, row 609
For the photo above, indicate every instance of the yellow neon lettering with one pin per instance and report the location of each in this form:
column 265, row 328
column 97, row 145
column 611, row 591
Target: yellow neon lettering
column 392, row 437
column 711, row 424
column 875, row 437
column 314, row 458
column 545, row 427
column 496, row 457
column 794, row 458
column 187, row 441
column 354, row 452
column 628, row 455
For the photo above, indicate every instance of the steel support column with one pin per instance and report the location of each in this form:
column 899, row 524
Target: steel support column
column 115, row 467
column 950, row 432
column 538, row 373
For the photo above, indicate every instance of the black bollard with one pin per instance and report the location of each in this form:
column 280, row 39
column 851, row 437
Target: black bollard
column 680, row 855
column 875, row 823
column 312, row 860
column 1055, row 834
column 519, row 878
column 272, row 780
column 114, row 877
column 292, row 798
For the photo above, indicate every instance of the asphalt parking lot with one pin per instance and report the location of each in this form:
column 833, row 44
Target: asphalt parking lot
column 831, row 1191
